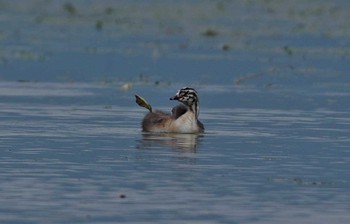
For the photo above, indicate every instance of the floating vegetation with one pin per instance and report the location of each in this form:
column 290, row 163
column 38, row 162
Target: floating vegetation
column 288, row 50
column 109, row 10
column 226, row 47
column 210, row 33
column 302, row 181
column 70, row 8
column 122, row 196
column 99, row 25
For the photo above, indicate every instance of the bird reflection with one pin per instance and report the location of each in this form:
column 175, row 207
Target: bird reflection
column 178, row 142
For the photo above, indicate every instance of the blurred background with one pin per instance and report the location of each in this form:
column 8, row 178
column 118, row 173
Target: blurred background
column 266, row 43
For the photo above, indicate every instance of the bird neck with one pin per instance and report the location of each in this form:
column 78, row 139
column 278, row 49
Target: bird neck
column 195, row 108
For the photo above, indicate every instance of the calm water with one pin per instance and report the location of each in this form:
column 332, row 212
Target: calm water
column 77, row 156
column 274, row 100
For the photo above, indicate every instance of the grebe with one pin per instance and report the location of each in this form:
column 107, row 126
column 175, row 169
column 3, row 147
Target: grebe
column 183, row 118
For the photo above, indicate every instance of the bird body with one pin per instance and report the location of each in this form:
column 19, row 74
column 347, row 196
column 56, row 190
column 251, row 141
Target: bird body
column 182, row 119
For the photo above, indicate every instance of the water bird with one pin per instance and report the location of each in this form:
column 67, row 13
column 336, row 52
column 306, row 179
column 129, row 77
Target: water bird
column 182, row 119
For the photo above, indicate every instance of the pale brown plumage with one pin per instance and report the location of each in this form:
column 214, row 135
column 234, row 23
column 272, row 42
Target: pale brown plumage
column 183, row 118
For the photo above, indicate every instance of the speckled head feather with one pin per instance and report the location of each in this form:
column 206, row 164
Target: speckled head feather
column 189, row 97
